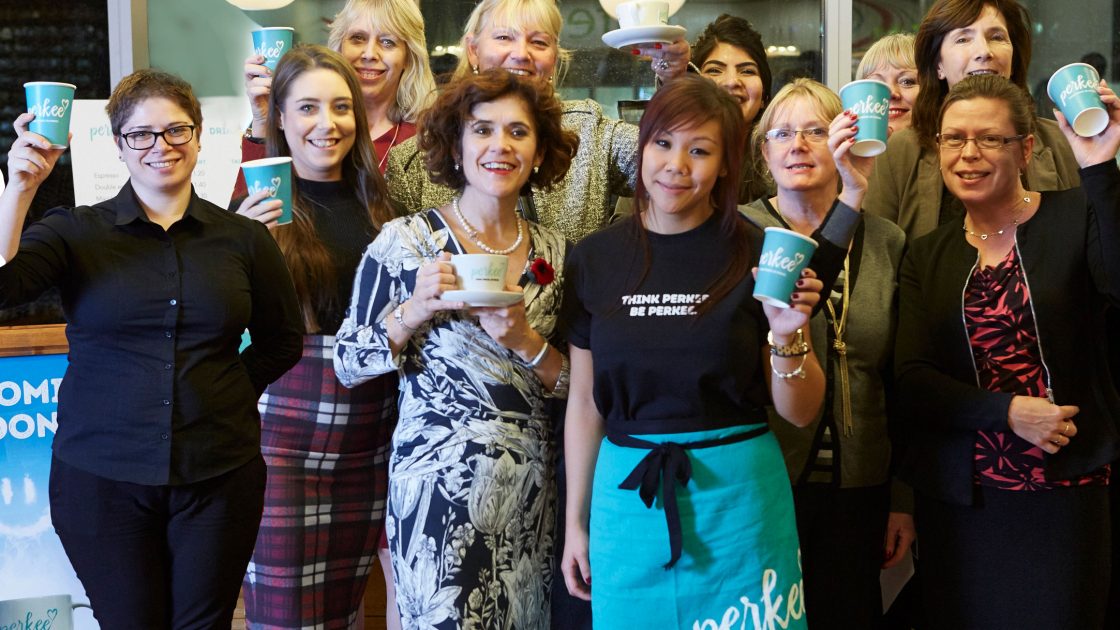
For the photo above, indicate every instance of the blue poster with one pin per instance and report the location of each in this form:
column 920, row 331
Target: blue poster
column 32, row 562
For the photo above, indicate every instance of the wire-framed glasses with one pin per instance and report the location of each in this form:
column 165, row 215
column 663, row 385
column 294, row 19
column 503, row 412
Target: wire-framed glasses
column 989, row 141
column 785, row 136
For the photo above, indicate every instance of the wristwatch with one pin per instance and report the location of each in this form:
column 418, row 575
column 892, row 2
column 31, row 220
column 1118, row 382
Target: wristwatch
column 795, row 348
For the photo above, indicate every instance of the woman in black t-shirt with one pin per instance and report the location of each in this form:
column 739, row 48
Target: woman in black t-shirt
column 670, row 364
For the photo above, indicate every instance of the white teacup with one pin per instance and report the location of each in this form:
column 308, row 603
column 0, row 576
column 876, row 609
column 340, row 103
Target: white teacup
column 638, row 13
column 480, row 272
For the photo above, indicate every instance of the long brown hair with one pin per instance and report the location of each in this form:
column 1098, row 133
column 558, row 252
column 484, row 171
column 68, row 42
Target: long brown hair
column 948, row 15
column 309, row 262
column 685, row 103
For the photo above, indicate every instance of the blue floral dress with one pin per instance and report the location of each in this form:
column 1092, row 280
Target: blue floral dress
column 471, row 490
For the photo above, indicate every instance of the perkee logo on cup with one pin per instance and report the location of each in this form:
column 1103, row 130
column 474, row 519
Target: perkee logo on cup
column 47, row 111
column 270, row 52
column 272, row 189
column 487, row 273
column 1076, row 86
column 869, row 106
column 776, row 261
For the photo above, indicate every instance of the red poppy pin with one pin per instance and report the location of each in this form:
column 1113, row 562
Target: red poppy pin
column 541, row 272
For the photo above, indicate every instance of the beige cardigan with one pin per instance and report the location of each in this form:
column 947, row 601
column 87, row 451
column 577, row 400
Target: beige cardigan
column 906, row 185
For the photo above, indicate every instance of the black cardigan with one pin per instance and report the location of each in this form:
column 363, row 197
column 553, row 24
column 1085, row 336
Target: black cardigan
column 1070, row 253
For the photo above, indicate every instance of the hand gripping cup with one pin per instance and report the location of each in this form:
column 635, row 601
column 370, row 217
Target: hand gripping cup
column 271, row 43
column 275, row 175
column 1073, row 89
column 784, row 254
column 480, row 272
column 51, row 103
column 870, row 101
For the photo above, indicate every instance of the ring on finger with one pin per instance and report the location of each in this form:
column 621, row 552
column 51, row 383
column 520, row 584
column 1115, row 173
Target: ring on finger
column 662, row 64
column 1065, row 429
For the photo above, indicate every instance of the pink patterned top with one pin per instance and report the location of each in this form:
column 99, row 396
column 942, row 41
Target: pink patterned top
column 1004, row 339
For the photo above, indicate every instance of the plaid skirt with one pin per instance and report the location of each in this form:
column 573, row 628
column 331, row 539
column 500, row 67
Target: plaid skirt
column 327, row 449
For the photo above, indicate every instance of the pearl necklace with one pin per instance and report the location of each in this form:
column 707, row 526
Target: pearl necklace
column 473, row 233
column 1014, row 222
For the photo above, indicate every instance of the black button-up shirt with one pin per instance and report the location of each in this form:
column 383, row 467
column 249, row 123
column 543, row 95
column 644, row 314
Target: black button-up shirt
column 155, row 392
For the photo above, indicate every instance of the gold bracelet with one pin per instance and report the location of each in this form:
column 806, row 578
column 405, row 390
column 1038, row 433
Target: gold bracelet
column 798, row 373
column 796, row 348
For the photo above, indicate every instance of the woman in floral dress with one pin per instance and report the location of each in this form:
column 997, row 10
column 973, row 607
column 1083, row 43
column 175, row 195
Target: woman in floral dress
column 471, row 492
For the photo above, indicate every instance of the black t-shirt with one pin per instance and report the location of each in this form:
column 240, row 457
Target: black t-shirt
column 660, row 367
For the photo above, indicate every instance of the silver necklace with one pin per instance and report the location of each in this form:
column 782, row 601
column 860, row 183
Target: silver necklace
column 473, row 233
column 1014, row 222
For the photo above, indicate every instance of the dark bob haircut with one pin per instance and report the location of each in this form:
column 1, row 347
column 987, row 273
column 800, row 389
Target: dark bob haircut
column 440, row 134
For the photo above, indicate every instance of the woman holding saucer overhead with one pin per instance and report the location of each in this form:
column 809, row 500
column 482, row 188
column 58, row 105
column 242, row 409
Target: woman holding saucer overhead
column 471, row 491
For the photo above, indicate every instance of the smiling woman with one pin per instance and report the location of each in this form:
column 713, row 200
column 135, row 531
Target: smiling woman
column 335, row 471
column 958, row 38
column 158, row 441
column 471, row 489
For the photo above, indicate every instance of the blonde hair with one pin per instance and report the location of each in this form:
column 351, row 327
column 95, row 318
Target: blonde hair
column 401, row 18
column 540, row 14
column 895, row 50
column 826, row 102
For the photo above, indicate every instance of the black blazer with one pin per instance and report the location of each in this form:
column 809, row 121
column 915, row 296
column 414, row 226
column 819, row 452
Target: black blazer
column 1070, row 253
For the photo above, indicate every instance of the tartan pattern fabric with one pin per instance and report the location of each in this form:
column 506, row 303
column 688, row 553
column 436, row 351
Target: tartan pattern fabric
column 327, row 453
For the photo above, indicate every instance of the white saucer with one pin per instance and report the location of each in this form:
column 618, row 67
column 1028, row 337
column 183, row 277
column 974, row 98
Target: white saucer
column 483, row 298
column 660, row 34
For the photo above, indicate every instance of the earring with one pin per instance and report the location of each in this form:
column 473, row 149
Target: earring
column 536, row 169
column 456, row 167
column 474, row 69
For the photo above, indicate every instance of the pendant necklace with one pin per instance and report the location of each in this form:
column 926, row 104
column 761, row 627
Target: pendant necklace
column 473, row 233
column 1014, row 222
column 381, row 162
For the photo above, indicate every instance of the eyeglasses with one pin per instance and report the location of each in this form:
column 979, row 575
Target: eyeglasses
column 785, row 136
column 989, row 141
column 173, row 136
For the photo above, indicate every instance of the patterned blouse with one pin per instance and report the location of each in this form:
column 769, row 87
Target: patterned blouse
column 1001, row 328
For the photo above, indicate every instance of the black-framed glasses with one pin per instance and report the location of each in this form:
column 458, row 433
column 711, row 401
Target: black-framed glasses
column 785, row 136
column 173, row 136
column 989, row 141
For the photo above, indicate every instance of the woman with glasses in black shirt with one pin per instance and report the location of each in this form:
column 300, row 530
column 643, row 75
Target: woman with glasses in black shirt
column 157, row 480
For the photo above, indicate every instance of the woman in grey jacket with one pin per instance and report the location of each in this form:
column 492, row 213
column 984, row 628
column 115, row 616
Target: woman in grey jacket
column 958, row 38
column 849, row 518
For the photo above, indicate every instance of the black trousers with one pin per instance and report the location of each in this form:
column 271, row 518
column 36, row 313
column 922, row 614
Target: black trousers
column 1029, row 560
column 841, row 532
column 159, row 556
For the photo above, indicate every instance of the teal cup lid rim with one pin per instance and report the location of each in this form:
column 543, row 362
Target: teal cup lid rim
column 272, row 161
column 792, row 233
column 60, row 83
column 273, row 28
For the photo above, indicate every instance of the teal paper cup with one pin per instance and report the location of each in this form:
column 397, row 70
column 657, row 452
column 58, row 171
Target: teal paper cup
column 271, row 43
column 784, row 254
column 1073, row 89
column 275, row 175
column 51, row 102
column 871, row 102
